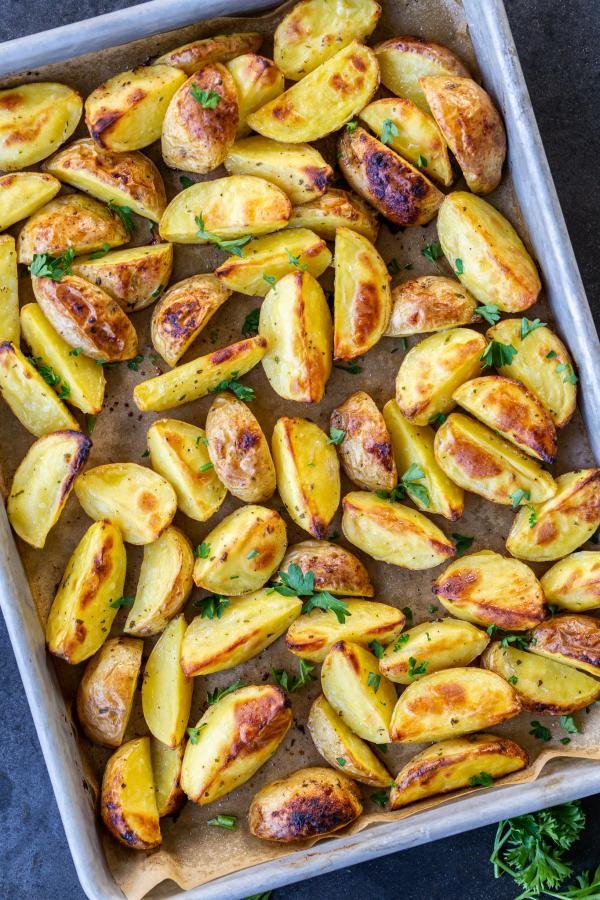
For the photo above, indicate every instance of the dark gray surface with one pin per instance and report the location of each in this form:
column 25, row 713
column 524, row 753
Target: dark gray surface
column 559, row 49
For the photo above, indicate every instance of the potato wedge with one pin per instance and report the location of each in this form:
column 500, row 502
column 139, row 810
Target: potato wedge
column 296, row 324
column 403, row 61
column 451, row 703
column 136, row 499
column 238, row 450
column 342, row 748
column 365, row 448
column 81, row 614
column 200, row 376
column 134, row 277
column 325, row 98
column 570, row 639
column 413, row 445
column 43, row 482
column 471, row 125
column 244, row 550
column 166, row 691
column 308, row 803
column 314, row 30
column 128, row 800
column 106, row 690
column 430, row 303
column 489, row 589
column 126, row 112
column 362, row 697
column 164, row 584
column 574, row 582
column 451, row 764
column 313, row 634
column 166, row 767
column 334, row 568
column 229, row 208
column 22, row 193
column 308, row 474
column 33, row 402
column 219, row 48
column 543, row 364
column 560, row 524
column 128, row 179
column 183, row 311
column 542, row 685
column 234, row 738
column 298, row 169
column 333, row 210
column 74, row 307
column 433, row 369
column 265, row 260
column 482, row 462
column 34, row 120
column 417, row 137
column 242, row 628
column 431, row 647
column 494, row 264
column 398, row 190
column 257, row 81
column 393, row 533
column 9, row 291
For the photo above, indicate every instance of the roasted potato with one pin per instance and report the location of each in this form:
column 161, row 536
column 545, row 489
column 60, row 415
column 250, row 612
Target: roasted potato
column 481, row 461
column 134, row 277
column 166, row 766
column 362, row 697
column 574, row 582
column 233, row 739
column 296, row 323
column 164, row 584
column 486, row 253
column 33, row 402
column 570, row 639
column 86, row 318
column 128, row 799
column 326, row 98
column 136, row 499
column 166, row 691
column 362, row 298
column 333, row 210
column 238, row 450
column 241, row 628
column 334, row 568
column 43, row 482
column 433, row 369
column 22, row 193
column 430, row 303
column 201, row 121
column 556, row 527
column 313, row 634
column 225, row 208
column 9, row 291
column 471, row 125
column 431, row 647
column 127, row 179
column 219, row 48
column 393, row 533
column 264, row 261
column 81, row 614
column 126, row 112
column 200, row 376
column 403, row 61
column 298, row 169
column 398, row 190
column 451, row 764
column 257, row 81
column 413, row 445
column 543, row 364
column 244, row 550
column 451, row 703
column 34, row 120
column 106, row 690
column 308, row 474
column 183, row 311
column 365, row 447
column 542, row 685
column 489, row 589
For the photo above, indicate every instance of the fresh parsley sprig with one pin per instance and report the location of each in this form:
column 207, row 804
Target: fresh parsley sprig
column 211, row 606
column 432, row 251
column 293, row 683
column 208, row 99
column 250, row 325
column 489, row 312
column 233, row 245
column 124, row 213
column 213, row 697
column 46, row 265
column 389, row 131
column 296, row 583
column 409, row 485
column 497, row 354
column 241, row 391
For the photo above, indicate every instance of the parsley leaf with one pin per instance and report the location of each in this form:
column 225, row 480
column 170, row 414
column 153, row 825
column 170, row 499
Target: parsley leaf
column 551, row 354
column 393, row 266
column 458, row 266
column 270, row 279
column 376, row 649
column 432, row 251
column 134, row 363
column 121, row 601
column 540, row 731
column 45, row 265
column 401, row 640
column 570, row 377
column 408, row 484
column 462, row 542
column 194, row 733
column 389, row 131
column 218, row 693
column 185, row 182
column 76, row 351
column 211, row 606
column 415, row 668
column 568, row 723
column 532, row 516
column 408, row 613
column 124, row 213
column 484, row 779
column 326, row 601
column 517, row 497
column 336, row 436
column 202, row 551
column 489, row 312
column 295, row 582
column 282, row 678
column 206, row 467
column 100, row 253
column 209, row 99
column 340, row 761
column 438, row 419
column 224, row 822
column 231, row 246
column 352, row 368
column 380, row 798
column 250, row 326
column 422, row 162
column 497, row 354
column 527, row 326
column 351, row 126
column 373, row 681
column 295, row 261
column 241, row 391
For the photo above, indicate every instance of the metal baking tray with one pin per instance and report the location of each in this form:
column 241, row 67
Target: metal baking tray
column 562, row 779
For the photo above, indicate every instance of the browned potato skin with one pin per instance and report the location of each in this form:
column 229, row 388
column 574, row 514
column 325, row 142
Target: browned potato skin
column 219, row 48
column 400, row 192
column 430, row 303
column 133, row 283
column 147, row 834
column 334, row 209
column 472, row 127
column 106, row 690
column 182, row 312
column 76, row 308
column 334, row 568
column 309, row 802
column 429, row 50
column 570, row 639
column 366, row 451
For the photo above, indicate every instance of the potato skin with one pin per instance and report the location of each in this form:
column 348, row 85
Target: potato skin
column 366, row 450
column 257, row 81
column 298, row 169
column 430, row 303
column 182, row 312
column 133, row 277
column 131, row 815
column 106, row 690
column 166, row 691
column 334, row 568
column 34, row 119
column 22, row 193
column 573, row 583
column 219, row 48
column 570, row 639
column 334, row 209
column 404, row 60
column 442, row 644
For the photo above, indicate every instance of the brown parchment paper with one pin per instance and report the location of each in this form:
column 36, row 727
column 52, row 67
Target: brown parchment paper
column 192, row 852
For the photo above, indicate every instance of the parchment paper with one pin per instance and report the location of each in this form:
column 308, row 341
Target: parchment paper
column 192, row 852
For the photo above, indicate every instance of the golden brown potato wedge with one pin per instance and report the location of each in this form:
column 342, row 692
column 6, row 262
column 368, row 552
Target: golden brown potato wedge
column 335, row 209
column 403, row 61
column 106, row 690
column 365, row 447
column 9, row 291
column 454, row 763
column 334, row 568
column 43, row 482
column 34, row 120
column 219, row 48
column 166, row 691
column 128, row 798
column 451, row 703
column 166, row 766
column 183, row 311
column 134, row 277
column 298, row 169
column 430, row 303
column 22, row 193
column 574, row 582
column 431, row 647
column 570, row 639
column 257, row 81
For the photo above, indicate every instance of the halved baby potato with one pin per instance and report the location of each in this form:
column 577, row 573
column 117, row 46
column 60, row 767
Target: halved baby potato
column 451, row 703
column 34, row 120
column 43, row 482
column 22, row 193
column 365, row 448
column 219, row 48
column 334, row 568
column 106, row 690
column 570, row 639
column 336, row 209
column 298, row 169
column 431, row 647
column 257, row 81
column 183, row 311
column 134, row 277
column 166, row 691
column 403, row 61
column 166, row 766
column 136, row 499
column 9, row 290
column 128, row 799
column 430, row 303
column 574, row 582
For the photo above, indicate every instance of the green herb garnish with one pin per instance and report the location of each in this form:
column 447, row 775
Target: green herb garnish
column 208, row 99
column 218, row 693
column 124, row 213
column 241, row 391
column 233, row 246
column 497, row 354
column 45, row 265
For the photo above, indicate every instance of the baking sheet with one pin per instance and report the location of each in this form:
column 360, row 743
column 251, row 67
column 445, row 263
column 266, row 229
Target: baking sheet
column 116, row 439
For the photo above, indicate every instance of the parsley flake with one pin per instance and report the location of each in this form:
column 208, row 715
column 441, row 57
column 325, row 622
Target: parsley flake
column 194, row 733
column 539, row 731
column 250, row 326
column 517, row 497
column 336, row 436
column 121, row 601
column 373, row 681
column 432, row 251
column 202, row 551
column 233, row 245
column 415, row 668
column 208, row 99
column 484, row 779
column 376, row 649
column 527, row 326
column 241, row 391
column 421, row 162
column 185, row 182
column 221, row 821
column 218, row 693
column 462, row 542
column 124, row 213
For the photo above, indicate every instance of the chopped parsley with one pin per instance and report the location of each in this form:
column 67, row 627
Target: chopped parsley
column 218, row 693
column 415, row 668
column 294, row 683
column 458, row 266
column 376, row 649
column 211, row 606
column 250, row 326
column 422, row 162
column 336, row 436
column 408, row 485
column 539, row 731
column 241, row 391
column 185, row 182
column 202, row 551
column 432, row 251
column 489, row 312
column 462, row 542
column 497, row 354
column 527, row 326
column 45, row 265
column 194, row 733
column 121, row 601
column 352, row 368
column 401, row 640
column 484, row 779
column 208, row 99
column 233, row 246
column 373, row 681
column 100, row 253
column 517, row 497
column 124, row 213
column 221, row 821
